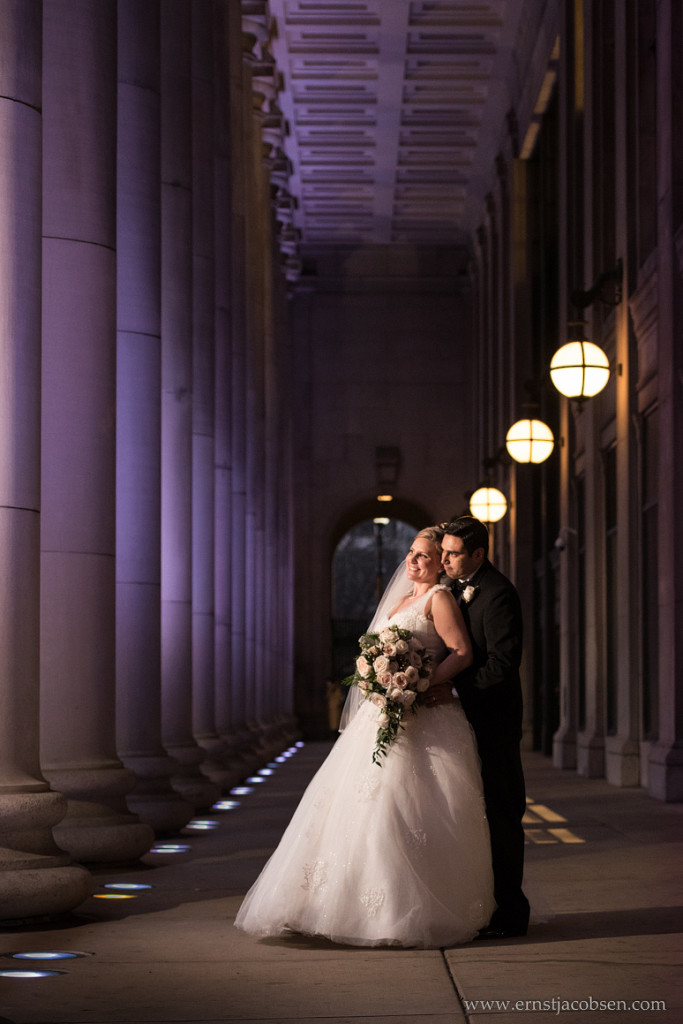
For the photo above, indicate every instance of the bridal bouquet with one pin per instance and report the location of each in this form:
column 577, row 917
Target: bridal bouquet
column 392, row 669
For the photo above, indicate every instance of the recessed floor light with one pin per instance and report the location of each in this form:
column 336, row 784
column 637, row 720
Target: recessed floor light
column 126, row 885
column 170, row 848
column 225, row 805
column 113, row 896
column 29, row 974
column 44, row 955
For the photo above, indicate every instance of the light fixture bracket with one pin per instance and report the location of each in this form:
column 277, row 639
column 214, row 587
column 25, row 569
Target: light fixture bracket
column 607, row 288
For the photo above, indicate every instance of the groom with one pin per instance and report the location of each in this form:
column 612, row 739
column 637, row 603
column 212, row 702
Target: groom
column 491, row 695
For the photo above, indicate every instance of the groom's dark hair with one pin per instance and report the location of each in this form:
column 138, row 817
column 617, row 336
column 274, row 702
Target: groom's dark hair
column 472, row 532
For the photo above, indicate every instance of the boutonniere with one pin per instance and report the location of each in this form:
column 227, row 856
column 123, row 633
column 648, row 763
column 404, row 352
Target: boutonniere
column 469, row 593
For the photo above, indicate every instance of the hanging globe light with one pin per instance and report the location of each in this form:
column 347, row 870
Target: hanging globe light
column 529, row 441
column 579, row 369
column 488, row 504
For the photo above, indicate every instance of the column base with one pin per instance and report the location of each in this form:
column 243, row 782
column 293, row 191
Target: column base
column 154, row 800
column 217, row 764
column 98, row 827
column 37, row 878
column 622, row 761
column 42, row 892
column 564, row 749
column 665, row 771
column 189, row 780
column 590, row 756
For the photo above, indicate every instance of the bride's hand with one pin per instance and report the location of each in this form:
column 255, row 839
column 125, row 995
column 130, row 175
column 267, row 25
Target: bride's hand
column 440, row 693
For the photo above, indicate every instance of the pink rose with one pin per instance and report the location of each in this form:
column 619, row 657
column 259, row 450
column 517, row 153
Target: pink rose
column 390, row 649
column 400, row 680
column 381, row 665
column 415, row 659
column 363, row 666
column 401, row 647
column 384, row 679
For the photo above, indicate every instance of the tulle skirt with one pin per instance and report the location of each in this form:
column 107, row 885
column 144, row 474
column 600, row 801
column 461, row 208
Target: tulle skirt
column 396, row 854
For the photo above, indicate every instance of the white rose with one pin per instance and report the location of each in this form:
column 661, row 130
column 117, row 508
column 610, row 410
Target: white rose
column 384, row 720
column 401, row 647
column 379, row 700
column 409, row 697
column 468, row 593
column 390, row 649
column 412, row 675
column 415, row 659
column 423, row 684
column 387, row 635
column 384, row 679
column 381, row 665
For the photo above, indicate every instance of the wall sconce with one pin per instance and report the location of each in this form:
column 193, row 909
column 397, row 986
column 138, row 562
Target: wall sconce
column 529, row 441
column 488, row 504
column 579, row 369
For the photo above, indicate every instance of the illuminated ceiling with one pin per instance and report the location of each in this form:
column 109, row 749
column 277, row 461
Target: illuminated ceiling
column 393, row 112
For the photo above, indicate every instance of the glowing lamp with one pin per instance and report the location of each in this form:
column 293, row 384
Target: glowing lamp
column 488, row 504
column 579, row 369
column 529, row 441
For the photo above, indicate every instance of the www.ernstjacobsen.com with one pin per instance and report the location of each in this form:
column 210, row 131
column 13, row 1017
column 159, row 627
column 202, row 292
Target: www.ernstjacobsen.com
column 562, row 1005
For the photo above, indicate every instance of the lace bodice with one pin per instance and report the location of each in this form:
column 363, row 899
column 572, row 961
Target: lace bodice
column 413, row 617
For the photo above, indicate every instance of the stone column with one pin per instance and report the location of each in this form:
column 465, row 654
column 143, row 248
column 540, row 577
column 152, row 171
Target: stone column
column 564, row 740
column 666, row 758
column 176, row 403
column 204, row 385
column 258, row 208
column 78, row 435
column 138, row 423
column 241, row 112
column 226, row 91
column 591, row 738
column 36, row 877
column 622, row 750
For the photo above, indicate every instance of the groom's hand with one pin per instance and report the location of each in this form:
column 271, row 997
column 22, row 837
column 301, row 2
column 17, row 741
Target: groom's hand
column 439, row 694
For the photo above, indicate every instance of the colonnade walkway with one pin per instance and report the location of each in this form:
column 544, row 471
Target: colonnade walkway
column 603, row 873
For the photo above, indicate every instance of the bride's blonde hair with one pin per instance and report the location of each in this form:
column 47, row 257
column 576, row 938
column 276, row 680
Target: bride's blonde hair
column 435, row 535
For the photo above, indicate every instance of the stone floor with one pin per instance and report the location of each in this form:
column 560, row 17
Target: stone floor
column 603, row 873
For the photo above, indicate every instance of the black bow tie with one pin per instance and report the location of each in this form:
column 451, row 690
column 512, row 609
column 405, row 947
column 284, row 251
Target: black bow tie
column 458, row 586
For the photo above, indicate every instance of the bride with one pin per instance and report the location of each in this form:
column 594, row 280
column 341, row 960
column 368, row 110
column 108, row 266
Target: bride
column 395, row 854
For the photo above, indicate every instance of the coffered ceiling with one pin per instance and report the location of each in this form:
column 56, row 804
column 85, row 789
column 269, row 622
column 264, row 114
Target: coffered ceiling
column 393, row 113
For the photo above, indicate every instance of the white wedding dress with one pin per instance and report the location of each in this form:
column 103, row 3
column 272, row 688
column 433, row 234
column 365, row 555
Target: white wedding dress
column 394, row 854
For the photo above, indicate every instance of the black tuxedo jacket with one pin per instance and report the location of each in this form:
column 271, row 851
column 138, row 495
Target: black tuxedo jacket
column 490, row 690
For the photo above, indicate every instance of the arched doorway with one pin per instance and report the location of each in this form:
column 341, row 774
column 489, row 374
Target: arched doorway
column 363, row 563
